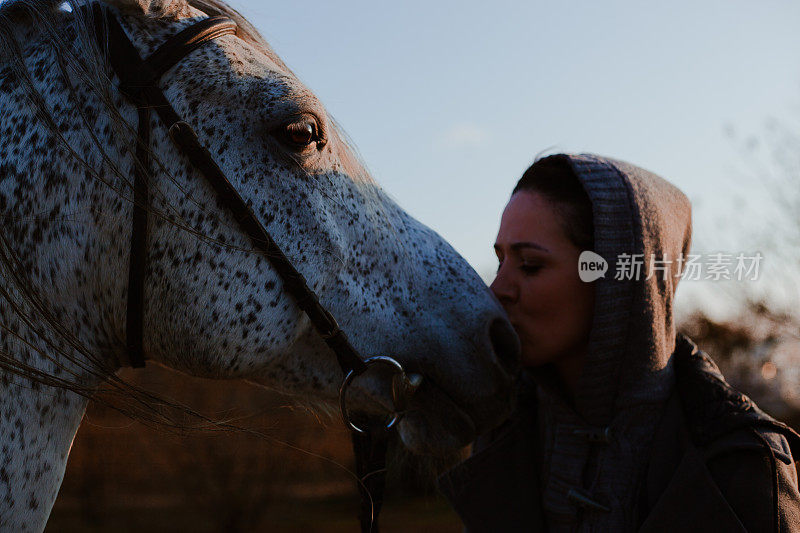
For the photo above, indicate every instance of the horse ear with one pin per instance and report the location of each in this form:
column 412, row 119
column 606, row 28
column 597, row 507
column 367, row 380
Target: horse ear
column 153, row 8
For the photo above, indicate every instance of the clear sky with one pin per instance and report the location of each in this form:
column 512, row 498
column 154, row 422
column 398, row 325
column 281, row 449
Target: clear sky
column 448, row 102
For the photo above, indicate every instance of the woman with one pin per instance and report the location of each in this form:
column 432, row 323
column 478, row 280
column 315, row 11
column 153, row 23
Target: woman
column 620, row 425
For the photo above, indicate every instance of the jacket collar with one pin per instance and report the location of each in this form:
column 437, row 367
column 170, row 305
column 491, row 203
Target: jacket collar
column 711, row 406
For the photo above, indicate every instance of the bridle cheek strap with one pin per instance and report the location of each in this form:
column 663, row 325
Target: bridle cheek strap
column 139, row 82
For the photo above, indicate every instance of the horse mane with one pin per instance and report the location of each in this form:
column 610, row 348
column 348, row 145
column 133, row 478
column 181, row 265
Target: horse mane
column 23, row 23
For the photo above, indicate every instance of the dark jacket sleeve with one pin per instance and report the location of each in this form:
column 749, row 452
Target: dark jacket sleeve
column 496, row 488
column 757, row 475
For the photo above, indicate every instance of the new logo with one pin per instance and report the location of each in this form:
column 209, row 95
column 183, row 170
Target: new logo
column 591, row 266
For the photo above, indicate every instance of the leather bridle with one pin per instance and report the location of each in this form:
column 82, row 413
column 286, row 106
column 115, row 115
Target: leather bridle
column 138, row 82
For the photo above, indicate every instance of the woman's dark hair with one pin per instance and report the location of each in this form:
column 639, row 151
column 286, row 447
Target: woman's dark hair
column 554, row 178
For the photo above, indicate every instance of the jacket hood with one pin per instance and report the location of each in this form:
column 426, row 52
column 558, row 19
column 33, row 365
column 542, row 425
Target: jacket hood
column 642, row 228
column 593, row 452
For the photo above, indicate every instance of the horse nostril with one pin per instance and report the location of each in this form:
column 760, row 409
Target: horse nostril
column 505, row 344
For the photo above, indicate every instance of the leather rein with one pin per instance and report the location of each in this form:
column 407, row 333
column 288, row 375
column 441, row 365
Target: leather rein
column 138, row 82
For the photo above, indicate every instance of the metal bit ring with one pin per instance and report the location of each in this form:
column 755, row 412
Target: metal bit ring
column 378, row 359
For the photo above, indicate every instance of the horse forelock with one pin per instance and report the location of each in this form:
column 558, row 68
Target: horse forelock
column 21, row 15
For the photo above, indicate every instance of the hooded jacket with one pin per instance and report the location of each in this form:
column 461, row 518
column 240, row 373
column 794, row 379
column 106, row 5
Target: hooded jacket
column 610, row 460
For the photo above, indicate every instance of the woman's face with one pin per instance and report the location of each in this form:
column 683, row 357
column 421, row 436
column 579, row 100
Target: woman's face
column 537, row 283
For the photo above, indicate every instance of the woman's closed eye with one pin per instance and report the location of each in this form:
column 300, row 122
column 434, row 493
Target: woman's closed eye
column 530, row 268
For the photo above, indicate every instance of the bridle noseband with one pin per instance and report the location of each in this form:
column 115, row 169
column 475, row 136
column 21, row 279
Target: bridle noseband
column 139, row 83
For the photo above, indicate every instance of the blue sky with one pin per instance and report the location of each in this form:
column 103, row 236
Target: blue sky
column 448, row 102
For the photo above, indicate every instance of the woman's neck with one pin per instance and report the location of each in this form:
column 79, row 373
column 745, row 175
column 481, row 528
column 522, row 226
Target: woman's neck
column 568, row 368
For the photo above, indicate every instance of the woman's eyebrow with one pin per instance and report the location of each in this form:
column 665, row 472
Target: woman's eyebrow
column 520, row 245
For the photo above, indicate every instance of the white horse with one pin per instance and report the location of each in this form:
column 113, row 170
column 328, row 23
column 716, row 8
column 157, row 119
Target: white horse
column 214, row 307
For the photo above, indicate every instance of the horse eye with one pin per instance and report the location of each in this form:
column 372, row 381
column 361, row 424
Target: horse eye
column 299, row 134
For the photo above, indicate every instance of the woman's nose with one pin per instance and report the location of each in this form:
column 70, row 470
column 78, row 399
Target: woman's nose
column 503, row 287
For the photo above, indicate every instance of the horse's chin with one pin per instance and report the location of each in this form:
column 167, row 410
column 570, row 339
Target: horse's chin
column 435, row 426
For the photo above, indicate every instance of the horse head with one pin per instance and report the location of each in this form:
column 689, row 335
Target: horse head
column 214, row 306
